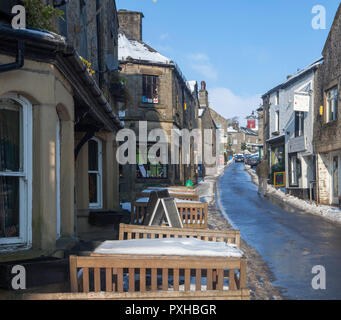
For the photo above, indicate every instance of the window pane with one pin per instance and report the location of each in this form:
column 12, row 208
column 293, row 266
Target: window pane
column 150, row 92
column 93, row 155
column 10, row 137
column 9, row 207
column 93, row 188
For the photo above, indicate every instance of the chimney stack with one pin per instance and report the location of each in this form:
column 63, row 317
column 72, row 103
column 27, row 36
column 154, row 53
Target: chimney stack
column 203, row 95
column 130, row 23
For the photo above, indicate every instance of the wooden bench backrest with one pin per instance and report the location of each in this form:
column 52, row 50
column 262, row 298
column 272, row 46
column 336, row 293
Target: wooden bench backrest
column 194, row 215
column 128, row 232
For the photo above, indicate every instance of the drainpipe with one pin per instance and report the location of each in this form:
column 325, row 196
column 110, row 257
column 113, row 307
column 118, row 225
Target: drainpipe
column 19, row 62
column 99, row 46
column 317, row 181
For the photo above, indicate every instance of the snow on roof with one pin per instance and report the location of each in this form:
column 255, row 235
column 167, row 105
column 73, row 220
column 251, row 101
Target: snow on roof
column 137, row 50
column 231, row 130
column 191, row 85
column 248, row 131
column 169, row 247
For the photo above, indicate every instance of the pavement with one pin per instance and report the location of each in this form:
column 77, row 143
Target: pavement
column 291, row 242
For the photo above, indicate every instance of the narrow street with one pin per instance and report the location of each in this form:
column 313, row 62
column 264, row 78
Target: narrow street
column 291, row 242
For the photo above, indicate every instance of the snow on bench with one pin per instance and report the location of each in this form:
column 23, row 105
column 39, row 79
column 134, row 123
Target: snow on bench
column 169, row 247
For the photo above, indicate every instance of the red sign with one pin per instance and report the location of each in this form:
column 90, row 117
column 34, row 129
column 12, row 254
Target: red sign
column 251, row 124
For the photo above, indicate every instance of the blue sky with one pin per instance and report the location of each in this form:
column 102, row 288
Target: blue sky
column 241, row 48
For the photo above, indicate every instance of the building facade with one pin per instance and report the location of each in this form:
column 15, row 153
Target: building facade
column 208, row 128
column 290, row 130
column 57, row 142
column 159, row 99
column 327, row 117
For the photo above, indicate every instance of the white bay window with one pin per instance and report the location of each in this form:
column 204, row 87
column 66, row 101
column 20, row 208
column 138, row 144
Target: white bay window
column 15, row 170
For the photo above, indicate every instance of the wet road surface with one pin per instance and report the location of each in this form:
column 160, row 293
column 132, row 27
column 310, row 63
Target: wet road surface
column 290, row 241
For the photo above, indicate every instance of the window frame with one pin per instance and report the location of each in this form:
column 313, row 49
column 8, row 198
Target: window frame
column 149, row 165
column 277, row 98
column 277, row 120
column 327, row 104
column 298, row 172
column 24, row 176
column 299, row 120
column 99, row 175
column 150, row 99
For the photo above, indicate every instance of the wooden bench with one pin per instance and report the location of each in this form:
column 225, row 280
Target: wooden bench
column 154, row 277
column 194, row 215
column 128, row 232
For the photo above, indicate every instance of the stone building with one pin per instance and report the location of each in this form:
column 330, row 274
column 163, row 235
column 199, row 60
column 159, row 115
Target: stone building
column 289, row 112
column 327, row 118
column 66, row 140
column 260, row 117
column 160, row 98
column 208, row 127
column 242, row 140
column 222, row 125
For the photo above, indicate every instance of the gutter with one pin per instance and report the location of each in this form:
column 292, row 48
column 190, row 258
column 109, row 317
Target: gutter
column 65, row 57
column 19, row 61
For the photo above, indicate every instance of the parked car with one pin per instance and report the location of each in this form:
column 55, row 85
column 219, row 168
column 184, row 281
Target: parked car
column 254, row 161
column 239, row 158
column 247, row 158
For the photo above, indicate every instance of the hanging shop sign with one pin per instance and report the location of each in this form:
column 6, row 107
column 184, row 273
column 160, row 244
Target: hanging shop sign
column 301, row 102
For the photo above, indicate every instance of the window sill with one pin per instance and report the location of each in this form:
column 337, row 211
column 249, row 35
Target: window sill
column 13, row 248
column 329, row 124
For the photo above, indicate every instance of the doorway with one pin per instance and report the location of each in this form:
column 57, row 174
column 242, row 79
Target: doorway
column 335, row 183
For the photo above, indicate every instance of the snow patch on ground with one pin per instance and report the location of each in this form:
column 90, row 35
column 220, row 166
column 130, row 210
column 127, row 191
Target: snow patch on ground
column 328, row 212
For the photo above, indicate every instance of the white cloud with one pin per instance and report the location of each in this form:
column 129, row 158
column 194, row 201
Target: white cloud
column 201, row 63
column 230, row 105
column 206, row 70
column 164, row 36
column 199, row 57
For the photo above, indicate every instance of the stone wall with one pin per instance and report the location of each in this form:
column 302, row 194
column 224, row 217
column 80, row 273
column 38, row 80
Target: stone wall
column 327, row 136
